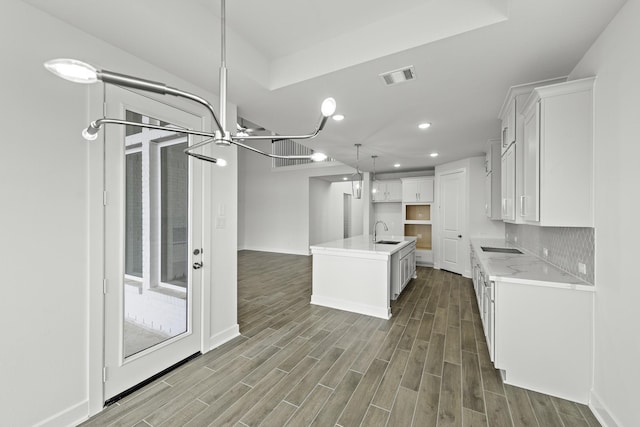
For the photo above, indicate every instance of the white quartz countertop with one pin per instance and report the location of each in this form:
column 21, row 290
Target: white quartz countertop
column 524, row 268
column 365, row 244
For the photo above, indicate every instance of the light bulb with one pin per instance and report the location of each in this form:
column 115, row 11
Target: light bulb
column 318, row 157
column 90, row 133
column 221, row 162
column 424, row 125
column 328, row 107
column 72, row 70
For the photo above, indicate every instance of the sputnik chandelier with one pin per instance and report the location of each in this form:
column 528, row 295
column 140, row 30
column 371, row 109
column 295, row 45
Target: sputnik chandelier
column 80, row 72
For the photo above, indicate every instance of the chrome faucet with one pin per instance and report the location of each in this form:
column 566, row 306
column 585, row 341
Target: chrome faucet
column 375, row 227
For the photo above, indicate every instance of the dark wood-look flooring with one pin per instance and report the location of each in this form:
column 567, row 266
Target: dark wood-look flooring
column 297, row 364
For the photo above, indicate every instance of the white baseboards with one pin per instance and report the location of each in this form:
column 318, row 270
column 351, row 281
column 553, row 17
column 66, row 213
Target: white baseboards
column 71, row 416
column 601, row 411
column 277, row 250
column 223, row 336
column 383, row 313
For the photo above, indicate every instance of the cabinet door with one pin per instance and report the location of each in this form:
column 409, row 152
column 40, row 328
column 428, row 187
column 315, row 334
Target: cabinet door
column 508, row 184
column 487, row 194
column 394, row 191
column 425, row 190
column 530, row 199
column 409, row 191
column 509, row 126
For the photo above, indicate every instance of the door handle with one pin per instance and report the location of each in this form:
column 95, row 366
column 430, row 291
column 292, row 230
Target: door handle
column 197, row 265
column 459, row 236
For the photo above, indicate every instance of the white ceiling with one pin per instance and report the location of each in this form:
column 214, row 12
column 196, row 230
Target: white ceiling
column 285, row 56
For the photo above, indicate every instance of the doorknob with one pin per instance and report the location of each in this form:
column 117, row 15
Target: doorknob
column 197, row 265
column 459, row 236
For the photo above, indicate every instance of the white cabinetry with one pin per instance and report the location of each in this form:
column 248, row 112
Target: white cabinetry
column 511, row 116
column 538, row 333
column 508, row 183
column 403, row 269
column 492, row 188
column 387, row 191
column 417, row 190
column 508, row 119
column 558, row 155
column 543, row 338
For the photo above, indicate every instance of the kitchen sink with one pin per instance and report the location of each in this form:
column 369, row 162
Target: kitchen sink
column 387, row 242
column 500, row 250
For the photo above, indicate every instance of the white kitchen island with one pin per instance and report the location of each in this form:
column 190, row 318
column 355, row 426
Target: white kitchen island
column 361, row 276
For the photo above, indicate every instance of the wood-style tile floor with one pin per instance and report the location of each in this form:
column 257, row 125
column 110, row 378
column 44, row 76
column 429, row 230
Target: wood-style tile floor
column 297, row 364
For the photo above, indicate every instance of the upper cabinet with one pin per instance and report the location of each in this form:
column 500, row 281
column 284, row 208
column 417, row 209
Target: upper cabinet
column 492, row 189
column 508, row 119
column 512, row 138
column 558, row 155
column 417, row 190
column 387, row 191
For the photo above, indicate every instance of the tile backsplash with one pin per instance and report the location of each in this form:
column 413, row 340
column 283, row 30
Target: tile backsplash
column 566, row 246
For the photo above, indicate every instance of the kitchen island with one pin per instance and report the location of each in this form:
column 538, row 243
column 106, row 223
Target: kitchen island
column 360, row 275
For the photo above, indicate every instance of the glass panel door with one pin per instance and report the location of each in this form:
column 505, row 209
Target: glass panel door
column 156, row 228
column 152, row 237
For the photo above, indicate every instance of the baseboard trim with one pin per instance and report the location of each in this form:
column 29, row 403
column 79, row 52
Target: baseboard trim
column 223, row 336
column 71, row 416
column 601, row 411
column 277, row 250
column 368, row 310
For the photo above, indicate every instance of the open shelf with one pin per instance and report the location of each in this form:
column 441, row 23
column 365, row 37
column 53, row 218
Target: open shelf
column 417, row 212
column 422, row 232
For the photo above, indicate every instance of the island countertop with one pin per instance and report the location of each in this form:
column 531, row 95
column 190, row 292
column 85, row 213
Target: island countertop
column 364, row 244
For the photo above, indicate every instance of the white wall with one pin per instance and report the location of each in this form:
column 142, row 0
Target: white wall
column 274, row 215
column 477, row 224
column 615, row 60
column 44, row 219
column 391, row 214
column 319, row 199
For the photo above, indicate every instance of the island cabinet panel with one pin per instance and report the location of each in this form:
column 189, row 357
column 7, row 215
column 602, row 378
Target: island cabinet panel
column 360, row 275
column 356, row 284
column 543, row 338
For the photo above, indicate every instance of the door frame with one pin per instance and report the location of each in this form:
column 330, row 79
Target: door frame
column 97, row 255
column 438, row 219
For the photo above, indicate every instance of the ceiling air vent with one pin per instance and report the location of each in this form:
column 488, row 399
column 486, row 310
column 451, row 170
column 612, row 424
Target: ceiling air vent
column 398, row 76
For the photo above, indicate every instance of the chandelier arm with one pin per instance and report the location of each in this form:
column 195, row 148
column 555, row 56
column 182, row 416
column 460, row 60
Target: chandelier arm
column 96, row 124
column 155, row 87
column 281, row 137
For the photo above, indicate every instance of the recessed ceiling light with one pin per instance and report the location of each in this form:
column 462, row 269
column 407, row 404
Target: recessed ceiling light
column 338, row 117
column 424, row 125
column 397, row 165
column 434, row 154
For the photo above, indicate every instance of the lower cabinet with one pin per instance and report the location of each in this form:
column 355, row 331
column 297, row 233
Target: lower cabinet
column 543, row 339
column 403, row 269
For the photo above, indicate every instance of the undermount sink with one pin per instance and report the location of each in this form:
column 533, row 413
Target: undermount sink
column 387, row 242
column 500, row 250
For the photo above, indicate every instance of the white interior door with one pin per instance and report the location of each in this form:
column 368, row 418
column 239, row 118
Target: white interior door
column 153, row 242
column 452, row 220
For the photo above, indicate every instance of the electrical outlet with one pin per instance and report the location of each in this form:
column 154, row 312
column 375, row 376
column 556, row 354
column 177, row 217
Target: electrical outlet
column 419, row 236
column 582, row 268
column 515, row 239
column 545, row 252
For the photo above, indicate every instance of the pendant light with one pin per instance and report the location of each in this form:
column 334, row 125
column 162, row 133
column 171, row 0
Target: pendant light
column 374, row 190
column 356, row 178
column 80, row 72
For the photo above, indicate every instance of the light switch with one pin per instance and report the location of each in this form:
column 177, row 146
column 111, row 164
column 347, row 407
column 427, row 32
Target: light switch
column 221, row 222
